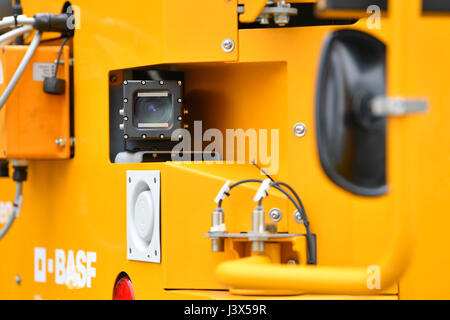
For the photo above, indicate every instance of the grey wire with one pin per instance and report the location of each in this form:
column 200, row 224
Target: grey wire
column 15, row 210
column 23, row 64
column 10, row 21
column 11, row 35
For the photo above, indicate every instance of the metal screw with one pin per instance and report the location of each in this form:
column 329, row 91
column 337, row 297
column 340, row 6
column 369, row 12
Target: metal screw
column 161, row 82
column 299, row 129
column 60, row 142
column 113, row 78
column 179, row 100
column 162, row 136
column 125, row 136
column 144, row 136
column 125, row 100
column 18, row 279
column 180, row 118
column 125, row 82
column 179, row 83
column 227, row 45
column 143, row 82
column 125, row 118
column 275, row 214
column 298, row 217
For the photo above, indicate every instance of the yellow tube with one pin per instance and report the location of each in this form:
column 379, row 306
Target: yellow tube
column 257, row 272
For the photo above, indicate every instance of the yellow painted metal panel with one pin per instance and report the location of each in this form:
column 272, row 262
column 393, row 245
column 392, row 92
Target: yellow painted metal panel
column 80, row 204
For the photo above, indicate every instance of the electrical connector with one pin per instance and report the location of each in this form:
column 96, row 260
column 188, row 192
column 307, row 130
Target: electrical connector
column 262, row 191
column 48, row 22
column 223, row 192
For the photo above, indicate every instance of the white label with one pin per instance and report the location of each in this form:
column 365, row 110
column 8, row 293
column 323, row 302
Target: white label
column 73, row 269
column 42, row 70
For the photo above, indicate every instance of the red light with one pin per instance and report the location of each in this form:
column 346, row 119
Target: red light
column 123, row 290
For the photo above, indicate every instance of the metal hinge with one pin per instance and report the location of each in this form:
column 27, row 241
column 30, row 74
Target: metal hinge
column 386, row 106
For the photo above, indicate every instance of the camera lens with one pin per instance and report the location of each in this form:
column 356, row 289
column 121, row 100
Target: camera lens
column 153, row 109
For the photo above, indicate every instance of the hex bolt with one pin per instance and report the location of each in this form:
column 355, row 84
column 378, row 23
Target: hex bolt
column 275, row 214
column 299, row 129
column 298, row 217
column 227, row 45
column 281, row 19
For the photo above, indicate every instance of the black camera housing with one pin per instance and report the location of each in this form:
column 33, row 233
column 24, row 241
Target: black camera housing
column 157, row 94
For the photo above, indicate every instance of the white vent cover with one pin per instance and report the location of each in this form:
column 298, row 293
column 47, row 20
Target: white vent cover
column 143, row 216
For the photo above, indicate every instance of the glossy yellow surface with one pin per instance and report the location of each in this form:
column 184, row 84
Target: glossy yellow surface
column 267, row 81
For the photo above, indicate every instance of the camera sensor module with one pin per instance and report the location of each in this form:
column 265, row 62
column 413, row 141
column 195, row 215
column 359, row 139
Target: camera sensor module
column 151, row 109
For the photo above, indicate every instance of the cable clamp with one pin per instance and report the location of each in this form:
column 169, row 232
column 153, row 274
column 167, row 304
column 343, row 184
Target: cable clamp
column 262, row 191
column 223, row 192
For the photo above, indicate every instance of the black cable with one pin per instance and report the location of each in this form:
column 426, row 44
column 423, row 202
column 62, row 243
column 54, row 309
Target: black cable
column 59, row 55
column 311, row 244
column 311, row 255
column 303, row 211
column 262, row 170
